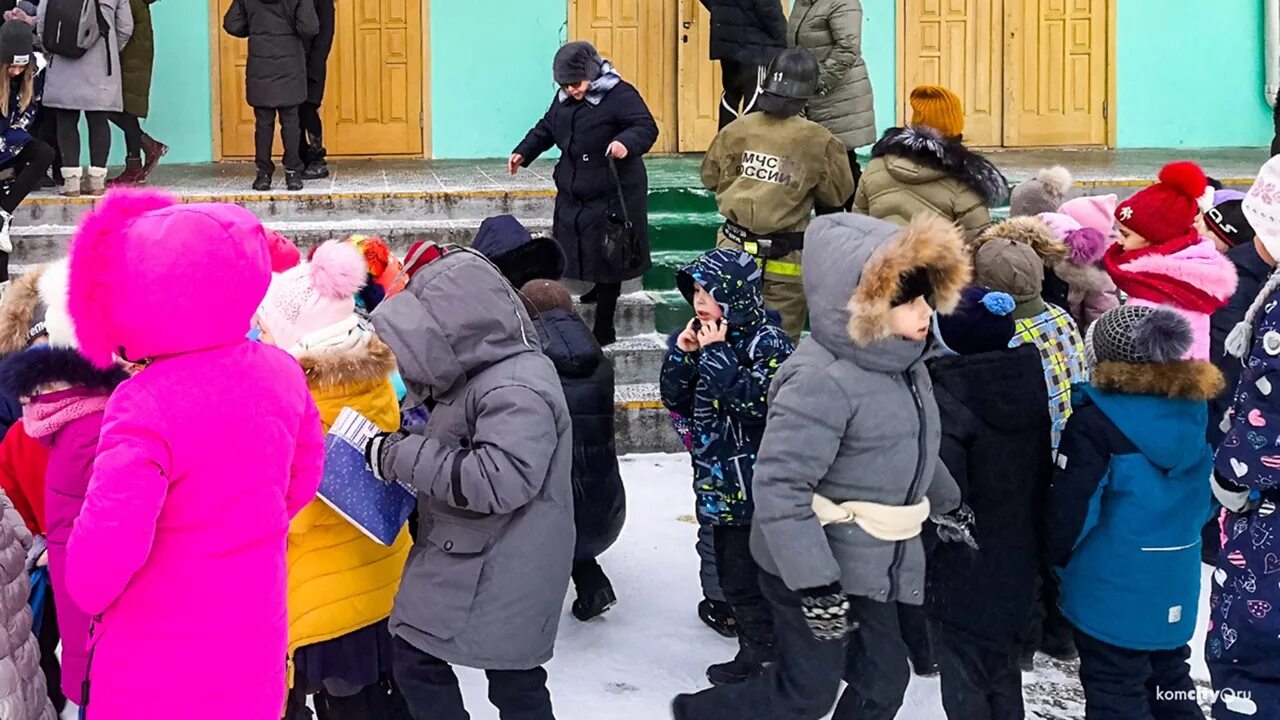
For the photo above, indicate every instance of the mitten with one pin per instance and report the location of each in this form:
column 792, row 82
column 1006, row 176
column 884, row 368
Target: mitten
column 1235, row 497
column 39, row 546
column 956, row 526
column 378, row 448
column 826, row 610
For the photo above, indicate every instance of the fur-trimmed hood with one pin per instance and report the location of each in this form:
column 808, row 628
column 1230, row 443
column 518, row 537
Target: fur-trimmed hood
column 368, row 362
column 21, row 374
column 1028, row 231
column 852, row 268
column 1084, row 278
column 926, row 147
column 1183, row 380
column 18, row 308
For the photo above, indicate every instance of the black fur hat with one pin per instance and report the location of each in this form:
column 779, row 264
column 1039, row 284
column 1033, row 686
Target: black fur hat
column 575, row 62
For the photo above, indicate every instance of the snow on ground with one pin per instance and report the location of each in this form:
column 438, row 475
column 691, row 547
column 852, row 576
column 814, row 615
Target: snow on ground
column 628, row 664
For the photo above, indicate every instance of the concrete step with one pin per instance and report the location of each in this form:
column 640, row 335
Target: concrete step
column 641, row 423
column 637, row 360
column 635, row 314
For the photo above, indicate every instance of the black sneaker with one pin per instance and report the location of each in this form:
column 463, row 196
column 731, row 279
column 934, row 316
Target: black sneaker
column 293, row 181
column 595, row 593
column 718, row 616
column 745, row 665
column 1061, row 649
column 316, row 170
column 262, row 183
column 924, row 668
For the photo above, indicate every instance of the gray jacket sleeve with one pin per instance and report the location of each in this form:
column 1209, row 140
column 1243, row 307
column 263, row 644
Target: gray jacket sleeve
column 503, row 466
column 805, row 428
column 124, row 24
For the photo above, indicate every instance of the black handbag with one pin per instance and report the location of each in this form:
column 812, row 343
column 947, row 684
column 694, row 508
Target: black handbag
column 621, row 247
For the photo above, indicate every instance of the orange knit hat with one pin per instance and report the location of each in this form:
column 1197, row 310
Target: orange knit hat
column 939, row 108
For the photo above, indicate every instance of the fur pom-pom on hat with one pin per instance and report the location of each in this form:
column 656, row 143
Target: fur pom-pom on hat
column 315, row 295
column 1138, row 334
column 1041, row 194
column 983, row 322
column 337, row 270
column 1087, row 246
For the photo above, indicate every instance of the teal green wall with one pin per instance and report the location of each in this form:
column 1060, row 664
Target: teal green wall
column 1190, row 74
column 491, row 72
column 880, row 50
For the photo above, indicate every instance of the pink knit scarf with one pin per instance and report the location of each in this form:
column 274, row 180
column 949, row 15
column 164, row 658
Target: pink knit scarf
column 47, row 414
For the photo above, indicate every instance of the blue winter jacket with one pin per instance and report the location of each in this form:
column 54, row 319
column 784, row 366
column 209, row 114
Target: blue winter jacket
column 723, row 388
column 1128, row 500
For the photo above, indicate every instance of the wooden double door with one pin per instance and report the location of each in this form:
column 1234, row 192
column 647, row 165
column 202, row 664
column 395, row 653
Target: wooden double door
column 1030, row 72
column 374, row 97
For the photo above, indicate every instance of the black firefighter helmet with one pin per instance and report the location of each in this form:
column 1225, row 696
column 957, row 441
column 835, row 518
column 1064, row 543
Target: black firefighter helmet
column 789, row 82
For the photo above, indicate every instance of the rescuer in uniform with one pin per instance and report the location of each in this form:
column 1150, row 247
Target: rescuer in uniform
column 767, row 169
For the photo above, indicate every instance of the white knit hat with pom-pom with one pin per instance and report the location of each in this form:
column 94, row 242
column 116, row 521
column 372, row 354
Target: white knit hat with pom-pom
column 315, row 295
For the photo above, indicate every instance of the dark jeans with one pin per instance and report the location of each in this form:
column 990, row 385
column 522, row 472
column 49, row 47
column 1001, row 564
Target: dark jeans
column 803, row 684
column 431, row 688
column 856, row 169
column 312, row 133
column 980, row 681
column 29, row 165
column 263, row 135
column 740, row 581
column 1122, row 684
column 69, row 137
column 132, row 130
column 741, row 83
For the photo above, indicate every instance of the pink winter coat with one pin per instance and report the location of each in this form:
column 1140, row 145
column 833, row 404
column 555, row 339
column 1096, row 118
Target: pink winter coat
column 204, row 458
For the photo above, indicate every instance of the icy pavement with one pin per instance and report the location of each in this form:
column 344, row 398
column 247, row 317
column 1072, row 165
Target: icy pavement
column 628, row 664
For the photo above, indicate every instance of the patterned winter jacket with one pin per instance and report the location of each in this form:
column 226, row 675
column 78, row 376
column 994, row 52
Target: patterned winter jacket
column 723, row 387
column 1055, row 335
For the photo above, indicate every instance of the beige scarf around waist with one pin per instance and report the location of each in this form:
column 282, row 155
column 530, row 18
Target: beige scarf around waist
column 892, row 523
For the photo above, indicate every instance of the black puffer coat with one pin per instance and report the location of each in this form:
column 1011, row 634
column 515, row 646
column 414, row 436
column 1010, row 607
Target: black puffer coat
column 318, row 49
column 586, row 195
column 747, row 31
column 278, row 32
column 995, row 442
column 599, row 501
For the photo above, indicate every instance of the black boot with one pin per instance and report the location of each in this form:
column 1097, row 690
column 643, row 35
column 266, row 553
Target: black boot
column 262, row 183
column 314, row 154
column 293, row 181
column 748, row 663
column 595, row 592
column 1060, row 646
column 589, row 297
column 718, row 616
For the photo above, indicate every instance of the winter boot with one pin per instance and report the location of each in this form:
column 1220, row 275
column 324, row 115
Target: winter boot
column 97, row 181
column 6, row 243
column 262, row 183
column 1059, row 646
column 131, row 175
column 748, row 663
column 152, row 150
column 47, row 182
column 595, row 592
column 293, row 181
column 1027, row 661
column 589, row 297
column 71, row 181
column 317, row 168
column 718, row 616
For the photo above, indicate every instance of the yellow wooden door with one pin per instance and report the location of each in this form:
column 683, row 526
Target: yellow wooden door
column 957, row 44
column 700, row 84
column 1057, row 72
column 373, row 102
column 636, row 36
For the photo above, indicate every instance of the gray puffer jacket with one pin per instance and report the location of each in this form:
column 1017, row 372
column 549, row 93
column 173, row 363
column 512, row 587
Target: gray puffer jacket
column 832, row 31
column 486, row 579
column 22, row 684
column 852, row 414
column 93, row 81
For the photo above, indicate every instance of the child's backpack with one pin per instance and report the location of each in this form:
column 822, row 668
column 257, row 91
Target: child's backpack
column 71, row 27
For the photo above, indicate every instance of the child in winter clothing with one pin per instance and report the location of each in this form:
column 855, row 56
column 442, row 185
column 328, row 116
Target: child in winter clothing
column 275, row 77
column 1013, row 267
column 1243, row 649
column 205, row 456
column 22, row 685
column 341, row 582
column 1125, row 510
column 848, row 473
column 718, row 373
column 599, row 500
column 1033, row 232
column 1041, row 194
column 1094, row 211
column 65, row 397
column 1090, row 291
column 1161, row 260
column 485, row 582
column 995, row 441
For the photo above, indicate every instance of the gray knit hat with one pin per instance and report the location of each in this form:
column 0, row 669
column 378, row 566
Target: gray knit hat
column 575, row 62
column 1043, row 193
column 1138, row 335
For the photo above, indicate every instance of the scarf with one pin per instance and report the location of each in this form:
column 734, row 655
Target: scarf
column 892, row 523
column 47, row 414
column 1158, row 287
column 609, row 78
column 1240, row 339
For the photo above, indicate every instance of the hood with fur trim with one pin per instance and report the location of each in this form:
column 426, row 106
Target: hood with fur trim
column 370, row 361
column 21, row 374
column 1197, row 380
column 926, row 147
column 1028, row 231
column 53, row 293
column 1084, row 278
column 20, row 306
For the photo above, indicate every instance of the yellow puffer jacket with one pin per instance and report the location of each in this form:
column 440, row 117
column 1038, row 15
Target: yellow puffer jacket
column 339, row 579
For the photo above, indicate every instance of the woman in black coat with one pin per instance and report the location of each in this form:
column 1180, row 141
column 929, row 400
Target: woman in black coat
column 595, row 117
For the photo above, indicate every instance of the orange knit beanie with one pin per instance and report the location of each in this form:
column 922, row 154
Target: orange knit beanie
column 938, row 108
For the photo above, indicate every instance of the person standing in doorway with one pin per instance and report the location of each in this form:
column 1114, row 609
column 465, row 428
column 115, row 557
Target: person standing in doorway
column 275, row 77
column 313, row 151
column 745, row 37
column 136, row 59
column 832, row 31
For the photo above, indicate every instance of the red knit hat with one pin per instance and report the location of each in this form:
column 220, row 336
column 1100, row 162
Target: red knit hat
column 1167, row 210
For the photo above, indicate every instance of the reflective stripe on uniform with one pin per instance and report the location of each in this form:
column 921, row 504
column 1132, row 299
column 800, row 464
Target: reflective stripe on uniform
column 779, row 267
